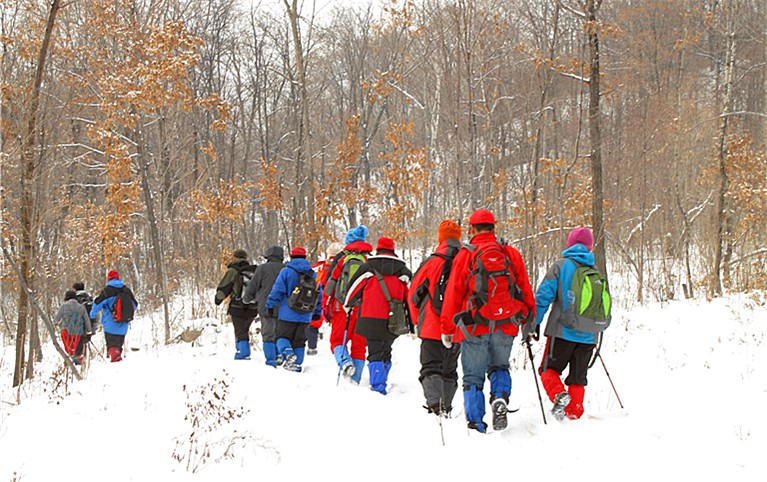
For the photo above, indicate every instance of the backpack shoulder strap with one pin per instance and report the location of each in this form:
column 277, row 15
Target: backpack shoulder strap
column 384, row 288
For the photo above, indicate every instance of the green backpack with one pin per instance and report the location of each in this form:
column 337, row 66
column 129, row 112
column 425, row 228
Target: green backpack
column 351, row 263
column 589, row 309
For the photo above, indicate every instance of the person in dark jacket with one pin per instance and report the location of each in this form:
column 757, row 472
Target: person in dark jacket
column 114, row 331
column 439, row 365
column 85, row 299
column 565, row 346
column 75, row 325
column 257, row 291
column 373, row 315
column 291, row 326
column 231, row 285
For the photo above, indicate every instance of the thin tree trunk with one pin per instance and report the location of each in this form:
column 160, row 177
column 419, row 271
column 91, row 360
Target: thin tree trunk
column 28, row 173
column 595, row 135
column 153, row 229
column 305, row 175
column 722, row 234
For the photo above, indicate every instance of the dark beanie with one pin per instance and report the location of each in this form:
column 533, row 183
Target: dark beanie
column 240, row 253
column 70, row 295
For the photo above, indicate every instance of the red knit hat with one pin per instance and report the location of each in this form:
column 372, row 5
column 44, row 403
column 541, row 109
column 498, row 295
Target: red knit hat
column 448, row 230
column 385, row 244
column 582, row 236
column 298, row 252
column 113, row 275
column 482, row 216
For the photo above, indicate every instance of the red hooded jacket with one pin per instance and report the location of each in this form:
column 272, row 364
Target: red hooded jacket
column 457, row 291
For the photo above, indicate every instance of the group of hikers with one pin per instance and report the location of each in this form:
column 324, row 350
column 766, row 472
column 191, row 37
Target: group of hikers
column 466, row 302
column 80, row 316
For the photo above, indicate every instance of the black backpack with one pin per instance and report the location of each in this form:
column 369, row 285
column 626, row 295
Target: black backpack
column 122, row 308
column 86, row 300
column 244, row 275
column 399, row 321
column 453, row 247
column 304, row 297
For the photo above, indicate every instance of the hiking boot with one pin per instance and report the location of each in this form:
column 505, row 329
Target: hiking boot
column 292, row 367
column 475, row 426
column 279, row 360
column 290, row 359
column 311, row 351
column 560, row 402
column 499, row 414
column 348, row 369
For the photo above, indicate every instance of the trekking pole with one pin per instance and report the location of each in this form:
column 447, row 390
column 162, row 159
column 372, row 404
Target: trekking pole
column 611, row 380
column 343, row 345
column 441, row 430
column 537, row 387
column 96, row 350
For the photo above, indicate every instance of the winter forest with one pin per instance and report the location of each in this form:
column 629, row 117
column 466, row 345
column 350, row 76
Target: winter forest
column 156, row 136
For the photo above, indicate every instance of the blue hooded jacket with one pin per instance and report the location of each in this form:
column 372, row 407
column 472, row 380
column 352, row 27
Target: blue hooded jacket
column 106, row 304
column 554, row 289
column 286, row 282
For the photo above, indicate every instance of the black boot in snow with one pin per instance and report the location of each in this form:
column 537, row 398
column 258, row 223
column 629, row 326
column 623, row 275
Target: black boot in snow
column 499, row 414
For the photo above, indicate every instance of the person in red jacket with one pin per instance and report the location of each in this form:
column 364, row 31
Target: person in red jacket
column 322, row 269
column 382, row 271
column 439, row 375
column 343, row 326
column 486, row 298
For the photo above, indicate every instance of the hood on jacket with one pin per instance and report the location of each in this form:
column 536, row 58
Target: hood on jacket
column 274, row 253
column 238, row 263
column 389, row 265
column 359, row 246
column 580, row 254
column 302, row 265
column 116, row 283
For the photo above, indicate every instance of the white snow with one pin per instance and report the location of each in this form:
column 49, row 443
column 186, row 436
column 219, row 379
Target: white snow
column 691, row 375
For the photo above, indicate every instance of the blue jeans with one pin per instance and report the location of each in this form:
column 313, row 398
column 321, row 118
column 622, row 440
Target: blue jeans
column 484, row 354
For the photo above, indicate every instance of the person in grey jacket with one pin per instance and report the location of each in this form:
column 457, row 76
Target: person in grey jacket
column 74, row 323
column 257, row 291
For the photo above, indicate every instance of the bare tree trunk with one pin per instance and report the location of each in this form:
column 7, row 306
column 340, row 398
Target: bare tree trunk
column 28, row 174
column 595, row 135
column 722, row 231
column 305, row 177
column 153, row 229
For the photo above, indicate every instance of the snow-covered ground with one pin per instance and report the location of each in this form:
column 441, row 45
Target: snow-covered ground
column 691, row 375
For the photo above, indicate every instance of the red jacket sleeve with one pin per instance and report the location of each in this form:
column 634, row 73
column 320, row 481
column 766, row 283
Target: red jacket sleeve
column 456, row 291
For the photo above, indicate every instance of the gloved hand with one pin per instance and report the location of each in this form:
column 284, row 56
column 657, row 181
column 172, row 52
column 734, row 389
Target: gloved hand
column 530, row 329
column 447, row 340
column 88, row 337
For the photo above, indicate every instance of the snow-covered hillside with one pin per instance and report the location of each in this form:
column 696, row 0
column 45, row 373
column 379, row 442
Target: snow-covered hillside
column 691, row 375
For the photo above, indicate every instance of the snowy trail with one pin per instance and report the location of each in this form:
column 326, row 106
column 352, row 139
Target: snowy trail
column 692, row 377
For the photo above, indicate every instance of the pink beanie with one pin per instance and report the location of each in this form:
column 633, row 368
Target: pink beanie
column 582, row 236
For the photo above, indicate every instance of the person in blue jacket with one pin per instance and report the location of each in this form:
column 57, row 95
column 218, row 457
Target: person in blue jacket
column 114, row 331
column 564, row 346
column 291, row 326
